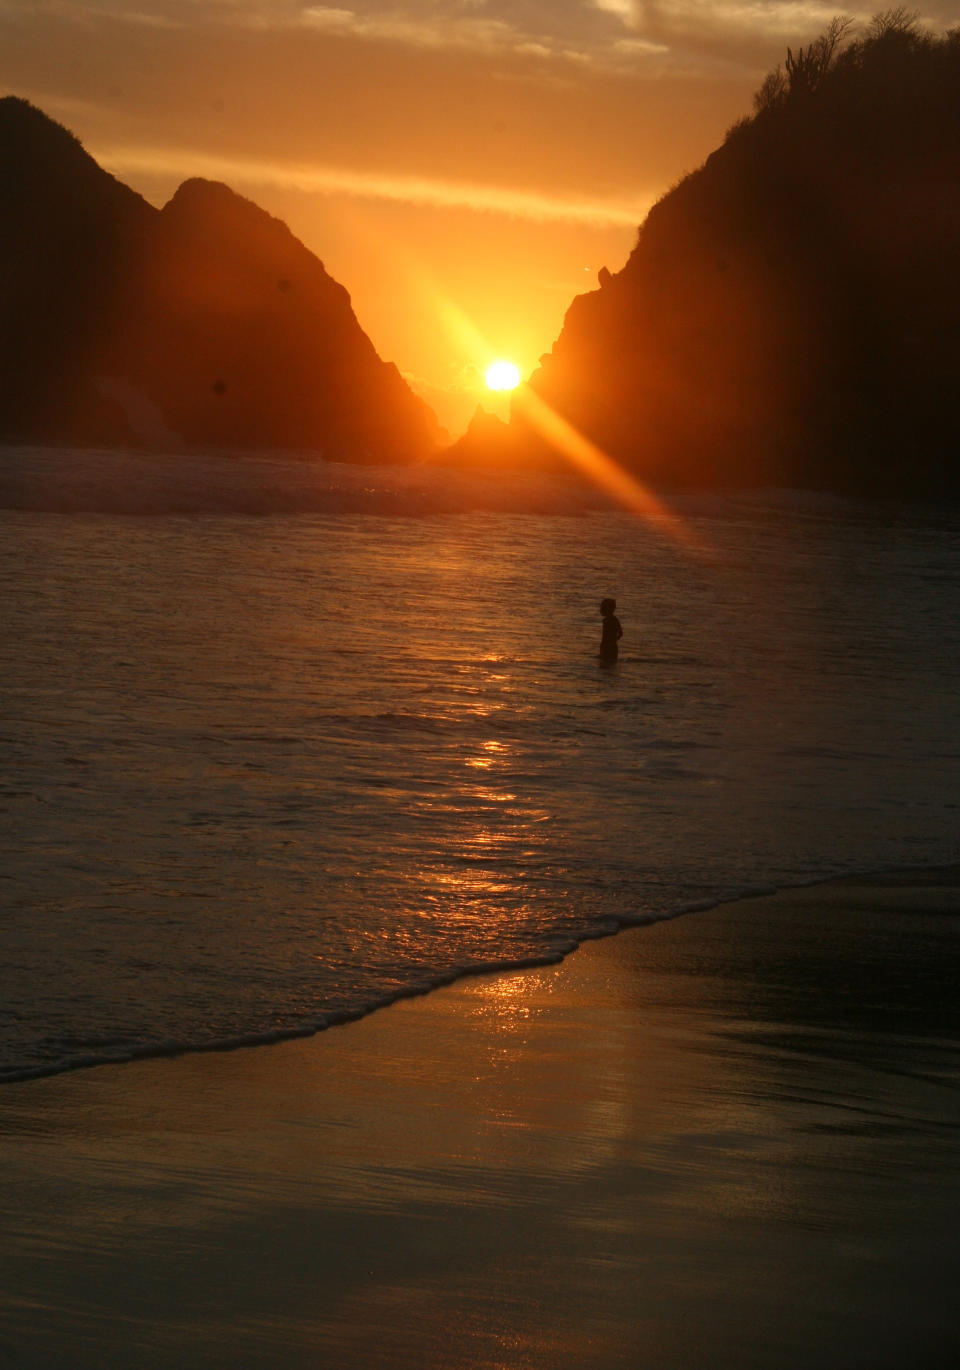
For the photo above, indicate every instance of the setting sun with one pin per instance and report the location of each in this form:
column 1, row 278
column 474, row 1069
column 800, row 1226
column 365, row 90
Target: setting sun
column 503, row 376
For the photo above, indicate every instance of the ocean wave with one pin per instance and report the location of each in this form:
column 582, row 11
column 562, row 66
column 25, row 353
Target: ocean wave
column 118, row 1051
column 73, row 481
column 217, row 831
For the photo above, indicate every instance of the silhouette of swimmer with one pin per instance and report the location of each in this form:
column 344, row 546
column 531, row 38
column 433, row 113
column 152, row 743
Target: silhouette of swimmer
column 612, row 632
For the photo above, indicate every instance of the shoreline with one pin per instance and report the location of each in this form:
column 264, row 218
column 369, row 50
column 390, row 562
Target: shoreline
column 733, row 1140
column 172, row 1050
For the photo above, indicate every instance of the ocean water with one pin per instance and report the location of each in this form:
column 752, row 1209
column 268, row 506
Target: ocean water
column 282, row 742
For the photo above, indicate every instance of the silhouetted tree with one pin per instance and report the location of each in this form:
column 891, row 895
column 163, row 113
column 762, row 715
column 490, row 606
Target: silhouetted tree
column 806, row 71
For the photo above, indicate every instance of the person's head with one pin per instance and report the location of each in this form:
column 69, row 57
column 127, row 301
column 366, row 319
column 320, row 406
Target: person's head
column 608, row 606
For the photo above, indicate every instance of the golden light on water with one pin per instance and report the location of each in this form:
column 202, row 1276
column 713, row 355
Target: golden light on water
column 502, row 375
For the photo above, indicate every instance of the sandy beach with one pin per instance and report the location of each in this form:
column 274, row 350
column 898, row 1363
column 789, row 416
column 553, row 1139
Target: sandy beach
column 726, row 1140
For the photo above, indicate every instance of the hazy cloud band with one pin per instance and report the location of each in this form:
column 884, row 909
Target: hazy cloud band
column 414, row 190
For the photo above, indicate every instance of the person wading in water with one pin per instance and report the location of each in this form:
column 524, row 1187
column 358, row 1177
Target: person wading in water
column 612, row 632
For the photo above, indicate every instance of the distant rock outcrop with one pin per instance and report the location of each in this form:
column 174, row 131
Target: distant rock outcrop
column 791, row 311
column 206, row 323
column 487, row 437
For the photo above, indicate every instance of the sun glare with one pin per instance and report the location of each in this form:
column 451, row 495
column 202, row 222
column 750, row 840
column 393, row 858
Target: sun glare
column 503, row 376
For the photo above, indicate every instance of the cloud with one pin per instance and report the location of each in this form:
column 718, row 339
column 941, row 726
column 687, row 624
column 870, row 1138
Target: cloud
column 699, row 34
column 87, row 12
column 561, row 30
column 623, row 9
column 759, row 18
column 413, row 190
column 590, row 31
column 566, row 33
column 331, row 20
column 640, row 47
column 413, row 29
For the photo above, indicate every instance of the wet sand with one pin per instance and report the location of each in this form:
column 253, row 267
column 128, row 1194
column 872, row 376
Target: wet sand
column 732, row 1140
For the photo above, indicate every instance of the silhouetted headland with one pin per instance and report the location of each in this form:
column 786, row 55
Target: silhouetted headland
column 790, row 314
column 491, row 442
column 204, row 324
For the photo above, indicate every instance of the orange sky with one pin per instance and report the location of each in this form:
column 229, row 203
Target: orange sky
column 463, row 167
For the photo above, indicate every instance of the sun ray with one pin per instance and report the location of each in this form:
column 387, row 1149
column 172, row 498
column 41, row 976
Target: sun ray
column 573, row 445
column 606, row 473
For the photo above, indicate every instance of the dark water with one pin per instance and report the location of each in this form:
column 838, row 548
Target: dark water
column 264, row 772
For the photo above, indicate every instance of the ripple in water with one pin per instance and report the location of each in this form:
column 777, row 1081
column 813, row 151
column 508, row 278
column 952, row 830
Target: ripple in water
column 266, row 773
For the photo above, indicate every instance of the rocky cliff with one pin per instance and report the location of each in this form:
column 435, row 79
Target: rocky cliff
column 206, row 323
column 791, row 311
